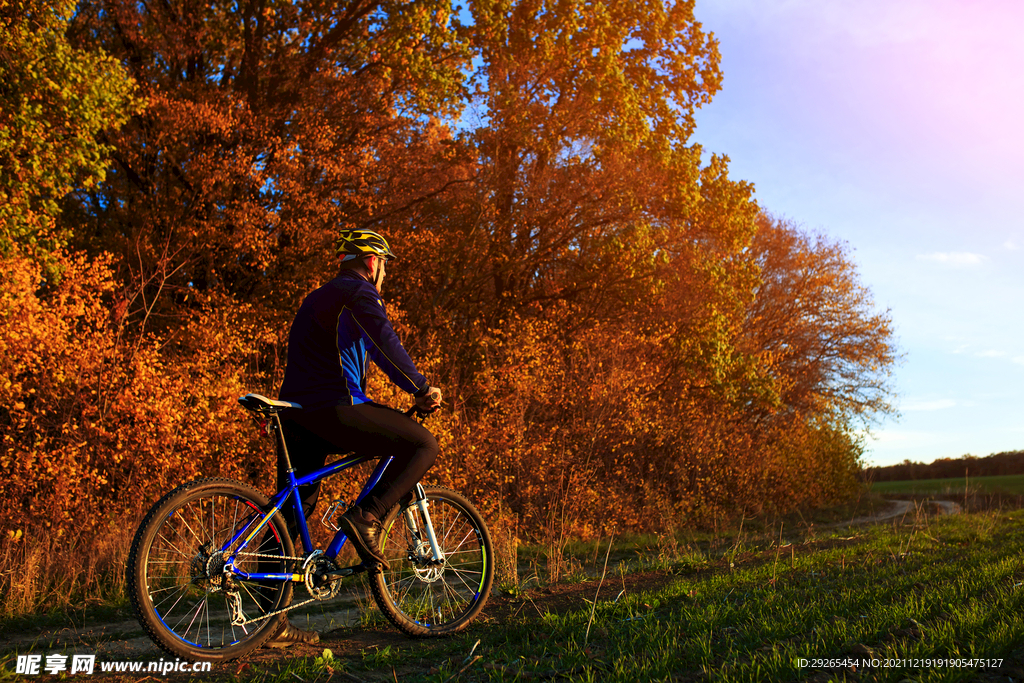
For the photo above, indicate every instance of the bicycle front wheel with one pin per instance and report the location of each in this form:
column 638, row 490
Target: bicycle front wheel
column 420, row 597
column 182, row 595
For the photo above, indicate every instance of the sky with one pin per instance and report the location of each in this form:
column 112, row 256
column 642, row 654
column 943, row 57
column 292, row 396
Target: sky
column 897, row 126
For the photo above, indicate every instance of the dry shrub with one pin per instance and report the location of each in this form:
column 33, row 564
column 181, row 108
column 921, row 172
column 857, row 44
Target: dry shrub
column 555, row 432
column 579, row 437
column 96, row 428
column 504, row 530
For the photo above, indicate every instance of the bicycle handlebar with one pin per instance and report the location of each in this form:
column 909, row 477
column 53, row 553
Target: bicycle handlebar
column 435, row 395
column 415, row 410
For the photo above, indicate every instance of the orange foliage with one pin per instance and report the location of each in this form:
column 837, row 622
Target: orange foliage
column 625, row 341
column 96, row 427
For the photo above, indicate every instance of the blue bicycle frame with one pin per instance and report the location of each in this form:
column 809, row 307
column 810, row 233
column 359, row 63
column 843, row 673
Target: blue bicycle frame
column 290, row 494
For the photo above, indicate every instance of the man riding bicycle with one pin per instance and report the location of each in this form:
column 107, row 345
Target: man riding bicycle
column 337, row 327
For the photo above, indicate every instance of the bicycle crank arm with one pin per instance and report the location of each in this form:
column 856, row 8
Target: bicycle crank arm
column 346, row 571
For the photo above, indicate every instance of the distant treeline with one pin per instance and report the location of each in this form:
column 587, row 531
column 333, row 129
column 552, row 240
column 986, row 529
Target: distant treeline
column 1009, row 462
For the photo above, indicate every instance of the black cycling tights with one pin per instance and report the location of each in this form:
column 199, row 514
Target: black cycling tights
column 367, row 428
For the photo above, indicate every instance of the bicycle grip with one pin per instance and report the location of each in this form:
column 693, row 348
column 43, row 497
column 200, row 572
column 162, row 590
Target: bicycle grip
column 415, row 411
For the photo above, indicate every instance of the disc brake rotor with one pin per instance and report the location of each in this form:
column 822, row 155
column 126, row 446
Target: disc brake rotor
column 423, row 565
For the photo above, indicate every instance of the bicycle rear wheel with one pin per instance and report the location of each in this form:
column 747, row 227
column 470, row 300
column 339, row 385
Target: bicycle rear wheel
column 423, row 599
column 182, row 596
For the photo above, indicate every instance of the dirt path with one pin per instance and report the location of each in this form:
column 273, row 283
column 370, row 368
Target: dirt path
column 902, row 509
column 947, row 507
column 124, row 639
column 338, row 621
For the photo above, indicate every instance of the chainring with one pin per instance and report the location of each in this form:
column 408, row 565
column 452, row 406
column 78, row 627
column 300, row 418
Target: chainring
column 317, row 584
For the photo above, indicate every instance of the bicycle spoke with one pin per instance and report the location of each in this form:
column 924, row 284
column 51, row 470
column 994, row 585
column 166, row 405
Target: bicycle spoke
column 464, row 596
column 183, row 590
column 412, row 582
column 184, row 522
column 175, row 527
column 206, row 614
column 465, row 538
column 458, row 575
column 431, row 594
column 446, row 593
column 213, row 522
column 167, row 562
column 197, row 609
column 234, row 521
column 171, row 545
column 447, row 532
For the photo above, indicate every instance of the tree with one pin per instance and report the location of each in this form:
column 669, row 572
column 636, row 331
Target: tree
column 589, row 280
column 271, row 124
column 583, row 161
column 55, row 101
column 816, row 326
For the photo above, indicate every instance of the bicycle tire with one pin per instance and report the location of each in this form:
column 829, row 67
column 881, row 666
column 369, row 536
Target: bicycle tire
column 175, row 585
column 423, row 600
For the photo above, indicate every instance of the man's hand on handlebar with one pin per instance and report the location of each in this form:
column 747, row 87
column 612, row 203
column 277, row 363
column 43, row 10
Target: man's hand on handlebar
column 430, row 401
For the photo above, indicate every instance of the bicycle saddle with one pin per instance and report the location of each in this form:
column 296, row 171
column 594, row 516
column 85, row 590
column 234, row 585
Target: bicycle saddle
column 262, row 404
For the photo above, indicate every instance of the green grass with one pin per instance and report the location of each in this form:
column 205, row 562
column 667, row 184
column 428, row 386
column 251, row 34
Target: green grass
column 944, row 587
column 953, row 590
column 1012, row 484
column 748, row 607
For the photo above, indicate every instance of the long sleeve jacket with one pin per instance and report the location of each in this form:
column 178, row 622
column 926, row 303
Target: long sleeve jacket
column 336, row 328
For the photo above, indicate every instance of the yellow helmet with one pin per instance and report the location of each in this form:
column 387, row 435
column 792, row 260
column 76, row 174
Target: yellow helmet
column 355, row 243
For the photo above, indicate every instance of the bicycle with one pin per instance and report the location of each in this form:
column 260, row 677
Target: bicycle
column 212, row 567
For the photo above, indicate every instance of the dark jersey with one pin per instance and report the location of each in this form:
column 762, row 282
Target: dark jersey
column 336, row 328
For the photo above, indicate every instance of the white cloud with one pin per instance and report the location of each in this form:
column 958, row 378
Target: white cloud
column 904, row 438
column 991, row 353
column 939, row 404
column 957, row 259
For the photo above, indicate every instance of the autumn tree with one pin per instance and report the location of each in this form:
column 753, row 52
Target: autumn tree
column 816, row 326
column 588, row 276
column 270, row 124
column 578, row 178
column 578, row 122
column 55, row 100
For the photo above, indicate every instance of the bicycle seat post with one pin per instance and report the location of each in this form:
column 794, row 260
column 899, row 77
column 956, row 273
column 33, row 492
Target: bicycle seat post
column 300, row 518
column 279, row 432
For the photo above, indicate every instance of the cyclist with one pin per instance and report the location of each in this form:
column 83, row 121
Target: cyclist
column 338, row 325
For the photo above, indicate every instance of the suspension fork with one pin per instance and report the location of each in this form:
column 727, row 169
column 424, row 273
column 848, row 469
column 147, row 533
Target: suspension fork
column 420, row 502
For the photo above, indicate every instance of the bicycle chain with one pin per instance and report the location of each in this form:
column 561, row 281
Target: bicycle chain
column 235, row 621
column 274, row 557
column 244, row 622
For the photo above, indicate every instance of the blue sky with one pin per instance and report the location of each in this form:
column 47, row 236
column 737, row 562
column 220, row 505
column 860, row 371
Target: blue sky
column 896, row 126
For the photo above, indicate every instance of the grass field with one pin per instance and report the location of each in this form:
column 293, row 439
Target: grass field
column 948, row 587
column 1010, row 484
column 878, row 603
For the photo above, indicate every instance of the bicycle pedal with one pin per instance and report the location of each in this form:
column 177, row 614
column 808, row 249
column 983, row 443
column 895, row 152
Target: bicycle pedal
column 346, row 571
